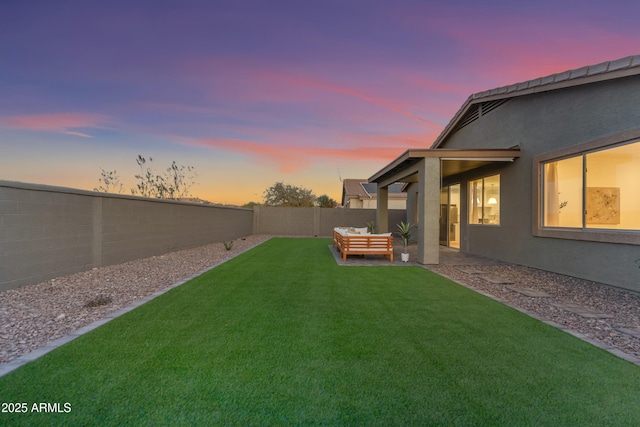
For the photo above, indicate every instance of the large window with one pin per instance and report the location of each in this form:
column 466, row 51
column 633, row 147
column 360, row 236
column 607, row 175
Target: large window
column 563, row 193
column 593, row 190
column 484, row 200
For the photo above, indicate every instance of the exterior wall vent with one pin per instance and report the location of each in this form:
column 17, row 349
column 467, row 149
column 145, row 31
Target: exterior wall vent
column 478, row 110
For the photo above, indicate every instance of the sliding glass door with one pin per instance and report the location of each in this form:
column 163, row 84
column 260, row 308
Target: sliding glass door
column 450, row 216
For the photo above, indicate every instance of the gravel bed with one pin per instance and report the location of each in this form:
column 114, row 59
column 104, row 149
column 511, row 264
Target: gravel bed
column 623, row 306
column 31, row 316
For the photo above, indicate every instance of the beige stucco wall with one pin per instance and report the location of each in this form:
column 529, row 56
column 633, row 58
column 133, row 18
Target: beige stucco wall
column 48, row 232
column 315, row 221
column 373, row 203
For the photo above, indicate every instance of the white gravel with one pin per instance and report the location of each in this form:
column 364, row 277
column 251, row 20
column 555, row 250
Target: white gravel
column 33, row 315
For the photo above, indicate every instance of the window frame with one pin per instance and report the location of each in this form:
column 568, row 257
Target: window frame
column 631, row 237
column 469, row 207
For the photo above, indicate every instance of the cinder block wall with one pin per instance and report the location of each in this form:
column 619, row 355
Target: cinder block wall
column 134, row 228
column 45, row 234
column 48, row 232
column 283, row 221
column 315, row 221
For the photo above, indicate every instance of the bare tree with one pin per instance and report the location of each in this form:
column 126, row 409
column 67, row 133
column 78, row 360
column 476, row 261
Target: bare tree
column 174, row 183
column 109, row 182
column 180, row 178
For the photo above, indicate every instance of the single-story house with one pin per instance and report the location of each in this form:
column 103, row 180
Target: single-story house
column 360, row 194
column 543, row 173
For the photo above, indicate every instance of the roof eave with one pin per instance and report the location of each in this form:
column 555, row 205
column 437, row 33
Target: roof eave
column 410, row 156
column 395, row 163
column 600, row 72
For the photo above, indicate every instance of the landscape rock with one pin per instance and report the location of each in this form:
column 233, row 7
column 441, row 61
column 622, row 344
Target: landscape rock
column 34, row 315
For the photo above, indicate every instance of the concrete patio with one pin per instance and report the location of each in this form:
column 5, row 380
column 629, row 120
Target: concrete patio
column 448, row 256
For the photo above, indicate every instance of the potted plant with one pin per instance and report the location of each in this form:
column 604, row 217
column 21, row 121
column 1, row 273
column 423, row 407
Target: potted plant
column 372, row 227
column 404, row 231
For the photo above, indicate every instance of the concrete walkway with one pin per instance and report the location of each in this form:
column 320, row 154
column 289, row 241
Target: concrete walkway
column 450, row 256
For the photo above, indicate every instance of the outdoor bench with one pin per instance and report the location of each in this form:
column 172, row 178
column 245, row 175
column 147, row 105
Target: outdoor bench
column 347, row 243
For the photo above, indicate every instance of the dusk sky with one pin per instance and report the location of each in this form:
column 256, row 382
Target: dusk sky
column 255, row 92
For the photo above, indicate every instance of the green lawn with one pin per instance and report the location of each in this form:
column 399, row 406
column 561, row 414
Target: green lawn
column 283, row 336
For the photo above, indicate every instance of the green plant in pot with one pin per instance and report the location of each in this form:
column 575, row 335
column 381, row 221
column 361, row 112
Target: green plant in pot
column 372, row 227
column 404, row 231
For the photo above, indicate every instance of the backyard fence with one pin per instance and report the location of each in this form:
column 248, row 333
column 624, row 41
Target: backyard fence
column 48, row 232
column 317, row 222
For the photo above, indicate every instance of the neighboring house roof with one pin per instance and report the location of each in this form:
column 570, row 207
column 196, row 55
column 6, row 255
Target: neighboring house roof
column 363, row 190
column 354, row 188
column 395, row 190
column 483, row 102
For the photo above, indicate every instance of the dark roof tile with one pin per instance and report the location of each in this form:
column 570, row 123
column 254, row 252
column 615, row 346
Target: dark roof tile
column 535, row 82
column 560, row 77
column 580, row 72
column 512, row 88
column 619, row 64
column 547, row 79
column 598, row 68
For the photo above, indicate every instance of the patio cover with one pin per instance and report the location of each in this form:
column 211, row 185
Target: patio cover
column 427, row 167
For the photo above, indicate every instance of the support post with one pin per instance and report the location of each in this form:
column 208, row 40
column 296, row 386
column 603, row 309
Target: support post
column 382, row 210
column 429, row 211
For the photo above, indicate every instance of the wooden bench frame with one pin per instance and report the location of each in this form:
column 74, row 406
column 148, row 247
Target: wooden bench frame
column 363, row 244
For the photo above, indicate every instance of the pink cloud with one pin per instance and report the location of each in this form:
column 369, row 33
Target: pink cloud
column 286, row 158
column 590, row 46
column 63, row 123
column 289, row 158
column 348, row 128
column 172, row 106
column 287, row 80
column 242, row 81
column 398, row 141
column 424, row 82
column 520, row 43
